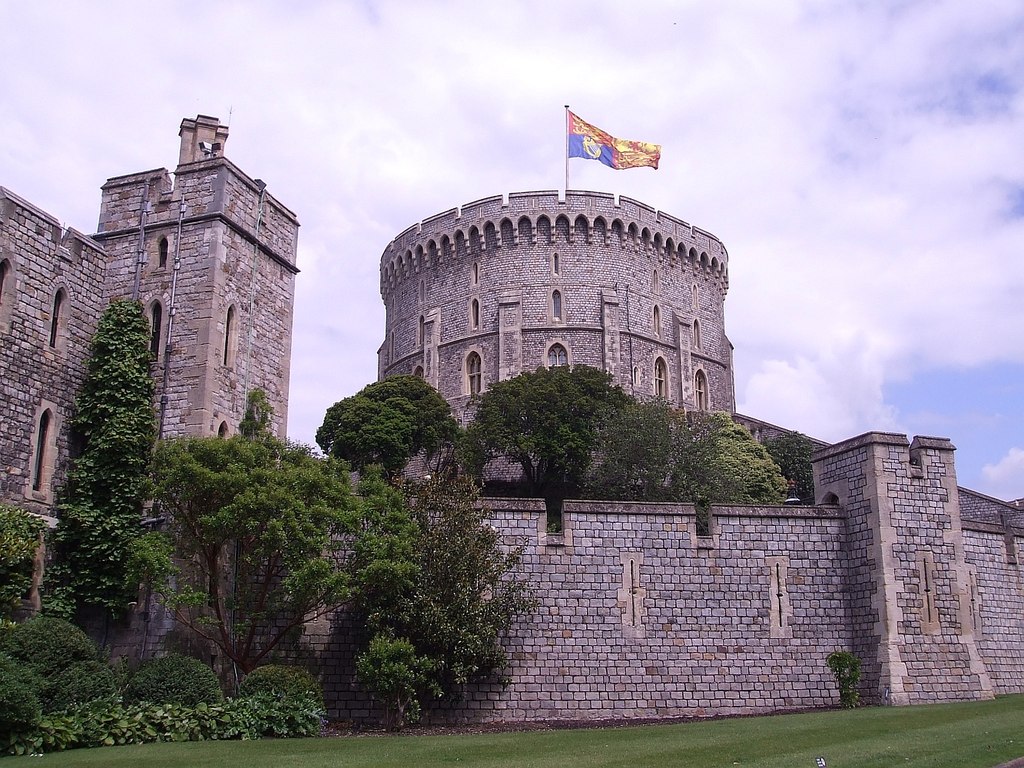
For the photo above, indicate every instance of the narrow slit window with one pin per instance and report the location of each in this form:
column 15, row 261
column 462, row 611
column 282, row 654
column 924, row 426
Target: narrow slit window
column 229, row 335
column 421, row 334
column 556, row 305
column 5, row 271
column 657, row 320
column 55, row 316
column 41, row 459
column 696, row 334
column 474, row 314
column 162, row 253
column 155, row 327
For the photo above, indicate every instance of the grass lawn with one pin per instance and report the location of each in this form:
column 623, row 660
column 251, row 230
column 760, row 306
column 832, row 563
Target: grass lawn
column 977, row 734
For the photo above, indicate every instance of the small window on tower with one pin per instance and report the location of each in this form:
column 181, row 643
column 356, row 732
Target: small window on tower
column 162, row 254
column 557, row 356
column 556, row 305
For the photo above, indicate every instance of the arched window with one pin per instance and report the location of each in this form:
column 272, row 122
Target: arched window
column 162, row 253
column 557, row 356
column 476, row 273
column 418, row 372
column 696, row 334
column 156, row 319
column 474, row 375
column 635, row 375
column 661, row 378
column 41, row 463
column 556, row 305
column 474, row 314
column 700, row 391
column 55, row 318
column 655, row 282
column 555, row 266
column 423, row 291
column 696, row 297
column 657, row 321
column 229, row 336
column 421, row 333
column 222, row 430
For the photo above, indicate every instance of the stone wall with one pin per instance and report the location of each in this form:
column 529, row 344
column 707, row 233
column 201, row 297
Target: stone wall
column 204, row 245
column 639, row 617
column 42, row 357
column 617, row 284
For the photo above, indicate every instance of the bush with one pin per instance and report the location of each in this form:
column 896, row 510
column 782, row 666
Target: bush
column 283, row 682
column 47, row 645
column 19, row 540
column 105, row 724
column 80, row 683
column 846, row 668
column 174, row 679
column 19, row 704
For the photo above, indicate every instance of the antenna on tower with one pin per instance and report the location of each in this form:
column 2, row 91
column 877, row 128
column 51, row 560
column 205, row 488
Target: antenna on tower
column 231, row 109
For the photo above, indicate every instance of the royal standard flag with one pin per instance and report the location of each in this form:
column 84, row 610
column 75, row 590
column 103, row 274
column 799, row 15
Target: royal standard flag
column 592, row 143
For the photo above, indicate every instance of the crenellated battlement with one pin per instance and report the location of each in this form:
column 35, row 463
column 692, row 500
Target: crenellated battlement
column 67, row 242
column 545, row 219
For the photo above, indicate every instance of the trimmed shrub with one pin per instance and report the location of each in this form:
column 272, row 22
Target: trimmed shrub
column 80, row 683
column 174, row 679
column 282, row 681
column 19, row 704
column 47, row 645
column 105, row 724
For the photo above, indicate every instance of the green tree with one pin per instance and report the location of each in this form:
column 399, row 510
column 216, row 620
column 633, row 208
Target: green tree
column 758, row 479
column 547, row 422
column 638, row 453
column 20, row 533
column 648, row 451
column 108, row 483
column 258, row 527
column 792, row 451
column 387, row 423
column 435, row 590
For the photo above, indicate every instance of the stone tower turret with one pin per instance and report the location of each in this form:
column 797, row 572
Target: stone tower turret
column 211, row 255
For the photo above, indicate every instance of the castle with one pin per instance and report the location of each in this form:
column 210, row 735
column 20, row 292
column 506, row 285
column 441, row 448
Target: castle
column 211, row 256
column 484, row 292
column 640, row 612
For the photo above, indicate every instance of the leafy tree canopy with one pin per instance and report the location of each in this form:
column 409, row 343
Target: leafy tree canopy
column 258, row 526
column 108, row 483
column 387, row 423
column 547, row 422
column 436, row 591
column 648, row 451
column 792, row 451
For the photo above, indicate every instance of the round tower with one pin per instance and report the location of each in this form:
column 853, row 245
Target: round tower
column 499, row 286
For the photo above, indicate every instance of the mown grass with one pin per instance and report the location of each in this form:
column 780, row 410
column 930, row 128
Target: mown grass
column 967, row 735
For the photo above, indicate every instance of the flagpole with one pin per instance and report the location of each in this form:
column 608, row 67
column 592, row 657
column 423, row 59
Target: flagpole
column 566, row 191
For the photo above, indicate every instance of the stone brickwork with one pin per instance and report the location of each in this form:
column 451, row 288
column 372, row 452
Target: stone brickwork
column 911, row 583
column 212, row 257
column 617, row 284
column 51, row 296
column 638, row 616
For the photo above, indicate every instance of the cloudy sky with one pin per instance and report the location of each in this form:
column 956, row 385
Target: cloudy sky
column 861, row 161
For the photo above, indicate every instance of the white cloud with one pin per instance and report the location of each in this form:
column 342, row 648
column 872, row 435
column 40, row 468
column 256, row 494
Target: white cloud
column 1005, row 478
column 858, row 160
